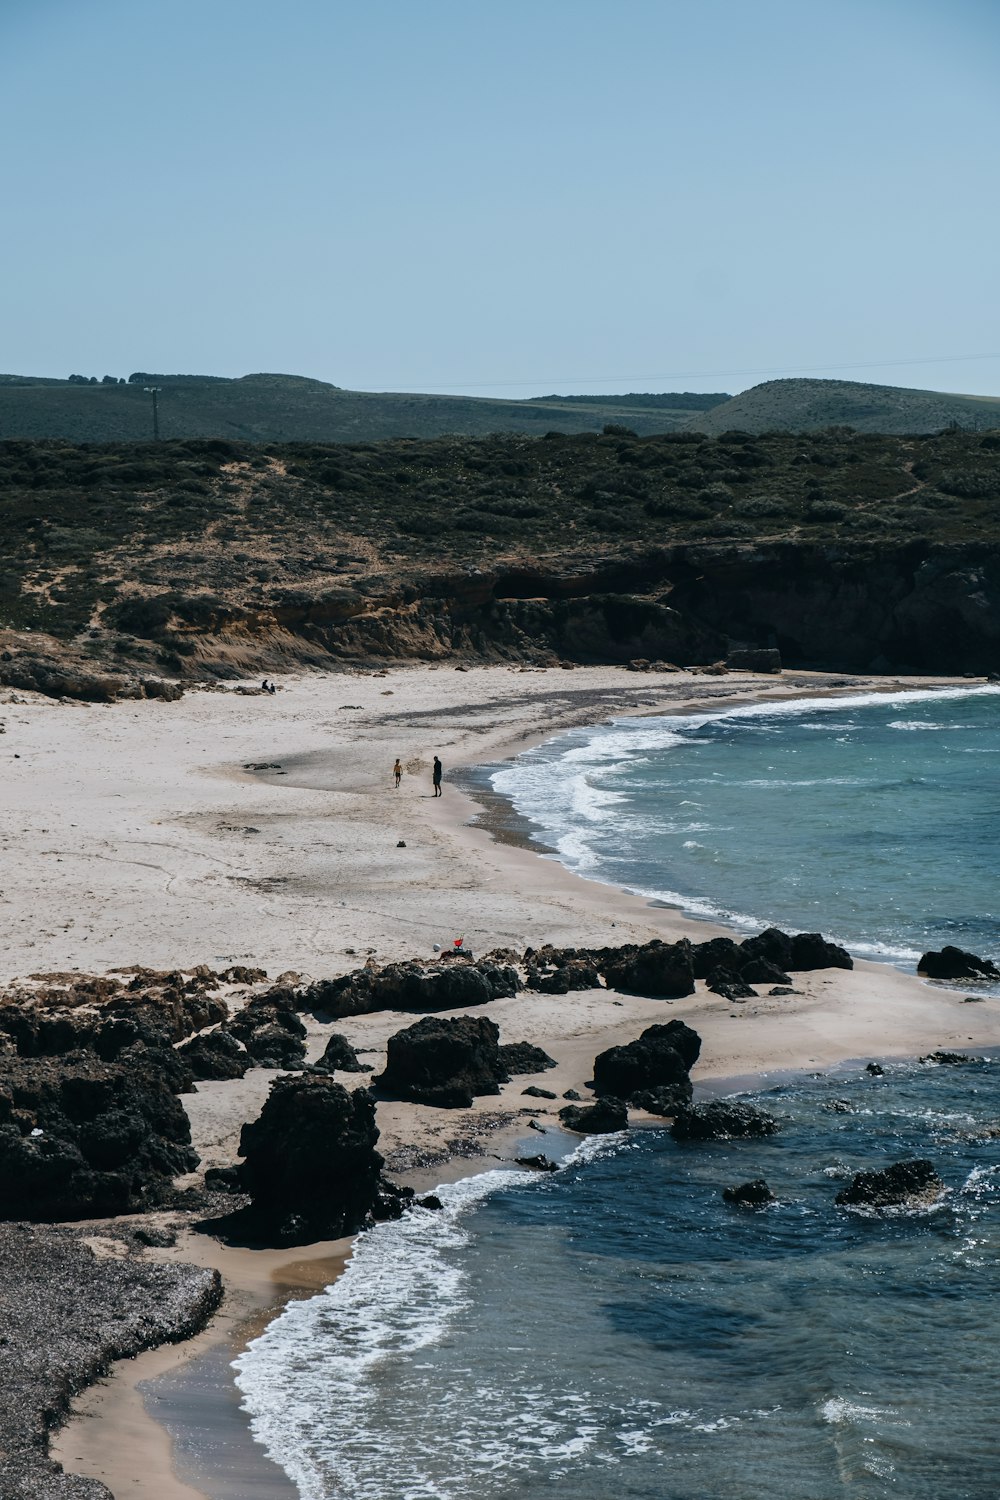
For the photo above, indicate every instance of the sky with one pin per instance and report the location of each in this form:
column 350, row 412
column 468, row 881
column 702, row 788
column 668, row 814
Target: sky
column 503, row 199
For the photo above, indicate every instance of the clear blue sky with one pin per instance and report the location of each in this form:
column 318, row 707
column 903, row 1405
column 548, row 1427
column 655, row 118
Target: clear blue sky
column 503, row 198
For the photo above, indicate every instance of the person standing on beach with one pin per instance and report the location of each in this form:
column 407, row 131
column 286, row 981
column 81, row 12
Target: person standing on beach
column 397, row 772
column 436, row 778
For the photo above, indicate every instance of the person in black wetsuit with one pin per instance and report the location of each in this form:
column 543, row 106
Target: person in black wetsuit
column 436, row 778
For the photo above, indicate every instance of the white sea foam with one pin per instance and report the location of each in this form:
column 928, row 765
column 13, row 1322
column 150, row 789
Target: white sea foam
column 917, row 724
column 587, row 792
column 839, row 1411
column 593, row 1147
column 394, row 1298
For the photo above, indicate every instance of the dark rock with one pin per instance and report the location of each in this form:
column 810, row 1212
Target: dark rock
column 537, row 1163
column 174, row 1012
column 524, row 1057
column 722, row 1120
column 153, row 1238
column 947, row 1059
column 274, row 1046
column 875, row 1069
column 905, row 1182
column 240, row 974
column 772, row 945
column 310, row 1163
column 955, row 963
column 534, row 1092
column 659, row 970
column 754, row 659
column 573, row 974
column 662, row 1101
column 753, row 1194
column 730, row 985
column 602, row 1118
column 270, row 1030
column 391, row 1201
column 430, row 1200
column 661, row 1057
column 223, row 1179
column 810, row 950
column 717, row 953
column 111, row 1137
column 215, row 1054
column 534, row 1125
column 416, row 986
column 264, row 1011
column 762, row 971
column 444, row 1062
column 572, row 1094
column 781, row 990
column 806, row 950
column 340, row 1056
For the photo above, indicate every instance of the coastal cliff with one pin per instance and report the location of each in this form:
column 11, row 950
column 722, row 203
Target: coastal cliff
column 198, row 560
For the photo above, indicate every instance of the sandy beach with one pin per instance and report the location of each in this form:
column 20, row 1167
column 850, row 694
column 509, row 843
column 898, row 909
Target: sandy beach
column 233, row 828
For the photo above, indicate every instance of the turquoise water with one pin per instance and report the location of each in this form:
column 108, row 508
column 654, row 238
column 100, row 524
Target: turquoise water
column 617, row 1330
column 875, row 820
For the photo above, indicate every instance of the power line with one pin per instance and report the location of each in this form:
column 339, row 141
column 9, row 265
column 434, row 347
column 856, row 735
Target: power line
column 869, row 364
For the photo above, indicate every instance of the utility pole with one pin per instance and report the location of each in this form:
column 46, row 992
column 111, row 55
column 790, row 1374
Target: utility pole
column 154, row 391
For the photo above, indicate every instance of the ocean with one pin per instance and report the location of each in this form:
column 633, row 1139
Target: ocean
column 874, row 819
column 616, row 1331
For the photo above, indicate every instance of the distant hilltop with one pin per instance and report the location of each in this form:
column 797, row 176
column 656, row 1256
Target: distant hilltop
column 294, row 408
column 810, row 405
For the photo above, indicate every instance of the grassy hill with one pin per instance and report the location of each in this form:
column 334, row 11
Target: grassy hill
column 291, row 408
column 807, row 405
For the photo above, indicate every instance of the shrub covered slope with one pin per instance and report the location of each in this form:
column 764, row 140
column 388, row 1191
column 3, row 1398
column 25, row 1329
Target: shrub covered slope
column 211, row 556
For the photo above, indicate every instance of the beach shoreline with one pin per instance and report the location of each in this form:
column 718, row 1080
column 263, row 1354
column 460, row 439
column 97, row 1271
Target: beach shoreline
column 466, row 883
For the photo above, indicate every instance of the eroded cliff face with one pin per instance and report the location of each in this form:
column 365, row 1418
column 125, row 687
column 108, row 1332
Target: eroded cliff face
column 921, row 607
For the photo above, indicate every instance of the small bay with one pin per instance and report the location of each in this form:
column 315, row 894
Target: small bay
column 617, row 1329
column 874, row 819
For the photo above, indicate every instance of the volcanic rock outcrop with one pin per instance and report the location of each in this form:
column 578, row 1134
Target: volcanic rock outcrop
column 444, row 1061
column 80, row 1138
column 660, row 970
column 215, row 1055
column 340, row 1057
column 722, row 1120
column 525, row 1057
column 768, row 957
column 905, row 1183
column 653, row 1069
column 270, row 1031
column 416, row 985
column 310, row 1163
column 755, row 1194
column 955, row 963
column 602, row 1118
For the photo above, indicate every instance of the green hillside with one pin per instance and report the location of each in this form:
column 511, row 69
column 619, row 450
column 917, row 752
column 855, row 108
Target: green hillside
column 291, row 408
column 809, row 405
